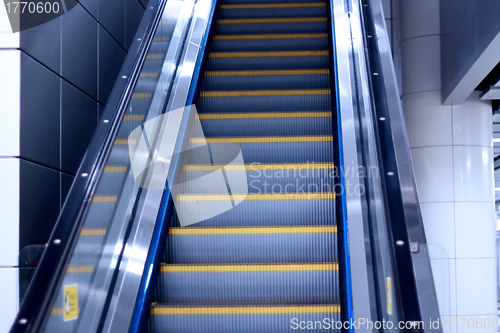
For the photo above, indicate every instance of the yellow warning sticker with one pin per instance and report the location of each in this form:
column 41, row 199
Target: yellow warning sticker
column 388, row 288
column 70, row 302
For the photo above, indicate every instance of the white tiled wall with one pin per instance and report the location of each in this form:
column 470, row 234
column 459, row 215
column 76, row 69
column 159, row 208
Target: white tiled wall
column 10, row 83
column 9, row 210
column 9, row 282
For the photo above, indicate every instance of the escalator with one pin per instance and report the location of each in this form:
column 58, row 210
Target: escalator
column 218, row 193
column 273, row 257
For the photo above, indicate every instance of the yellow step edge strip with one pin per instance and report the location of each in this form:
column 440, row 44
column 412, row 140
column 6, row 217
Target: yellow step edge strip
column 80, row 269
column 254, row 230
column 131, row 117
column 237, row 310
column 273, row 20
column 56, row 312
column 258, row 167
column 275, row 5
column 264, row 139
column 270, row 72
column 165, row 268
column 268, row 54
column 255, row 197
column 125, row 142
column 141, row 95
column 105, row 198
column 270, row 36
column 93, row 232
column 115, row 169
column 264, row 115
column 253, row 93
column 59, row 311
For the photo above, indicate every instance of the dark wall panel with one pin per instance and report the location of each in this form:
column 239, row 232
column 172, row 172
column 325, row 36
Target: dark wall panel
column 79, row 50
column 68, row 69
column 134, row 13
column 112, row 18
column 78, row 122
column 90, row 6
column 40, row 92
column 467, row 28
column 144, row 3
column 34, row 42
column 39, row 203
column 111, row 56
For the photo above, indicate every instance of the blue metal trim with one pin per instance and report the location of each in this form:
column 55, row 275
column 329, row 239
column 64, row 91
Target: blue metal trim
column 161, row 227
column 342, row 181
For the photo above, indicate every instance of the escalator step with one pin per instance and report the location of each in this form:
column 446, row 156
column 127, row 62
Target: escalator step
column 266, row 123
column 266, row 79
column 249, row 283
column 270, row 42
column 251, row 245
column 278, row 149
column 271, row 25
column 242, row 318
column 265, row 178
column 264, row 100
column 273, row 60
column 258, row 209
column 273, row 10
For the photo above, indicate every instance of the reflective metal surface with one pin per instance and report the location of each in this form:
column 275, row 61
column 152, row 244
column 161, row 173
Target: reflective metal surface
column 167, row 141
column 376, row 284
column 421, row 262
column 363, row 297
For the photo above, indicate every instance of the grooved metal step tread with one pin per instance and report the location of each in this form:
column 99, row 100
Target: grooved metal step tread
column 163, row 309
column 268, row 54
column 252, row 230
column 264, row 115
column 295, row 267
column 264, row 139
column 268, row 72
column 256, row 197
column 270, row 36
column 273, row 20
column 274, row 5
column 255, row 167
column 257, row 93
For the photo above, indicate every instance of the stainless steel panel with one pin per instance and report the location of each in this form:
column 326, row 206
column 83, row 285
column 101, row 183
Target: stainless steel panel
column 79, row 50
column 363, row 293
column 40, row 92
column 43, row 43
column 111, row 56
column 78, row 122
column 421, row 262
column 39, row 203
column 130, row 275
